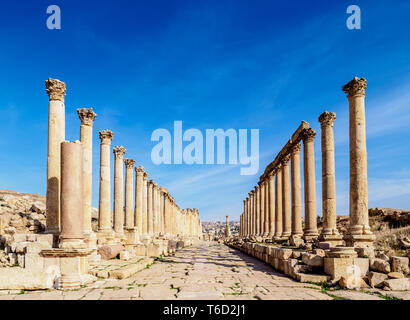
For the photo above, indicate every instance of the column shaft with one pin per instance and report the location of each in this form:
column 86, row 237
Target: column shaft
column 296, row 192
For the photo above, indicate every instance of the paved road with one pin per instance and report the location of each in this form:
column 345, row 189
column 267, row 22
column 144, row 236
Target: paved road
column 206, row 271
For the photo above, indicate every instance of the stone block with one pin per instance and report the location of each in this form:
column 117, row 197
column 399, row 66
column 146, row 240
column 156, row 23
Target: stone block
column 296, row 254
column 395, row 275
column 20, row 247
column 363, row 264
column 285, row 254
column 376, row 279
column 70, row 265
column 337, row 267
column 400, row 264
column 19, row 237
column 365, row 252
column 313, row 260
column 24, row 279
column 319, row 252
column 31, row 237
column 130, row 269
column 33, row 261
column 380, row 265
column 103, row 274
column 110, row 251
column 20, row 260
column 398, row 284
column 303, row 277
column 140, row 250
column 125, row 255
column 34, row 247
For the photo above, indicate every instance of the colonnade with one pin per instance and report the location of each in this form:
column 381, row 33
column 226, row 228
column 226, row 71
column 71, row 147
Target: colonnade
column 146, row 212
column 273, row 208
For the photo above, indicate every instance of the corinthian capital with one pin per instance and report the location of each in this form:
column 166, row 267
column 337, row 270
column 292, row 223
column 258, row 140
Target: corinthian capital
column 309, row 135
column 139, row 170
column 327, row 119
column 106, row 136
column 285, row 160
column 356, row 86
column 295, row 148
column 129, row 163
column 55, row 89
column 118, row 151
column 87, row 116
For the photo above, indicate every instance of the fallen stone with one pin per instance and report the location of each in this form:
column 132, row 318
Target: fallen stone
column 395, row 275
column 24, row 279
column 380, row 265
column 397, row 284
column 129, row 270
column 125, row 255
column 400, row 264
column 376, row 279
column 110, row 251
column 313, row 260
column 319, row 252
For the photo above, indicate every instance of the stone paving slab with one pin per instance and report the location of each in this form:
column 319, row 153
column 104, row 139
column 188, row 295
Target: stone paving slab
column 206, row 271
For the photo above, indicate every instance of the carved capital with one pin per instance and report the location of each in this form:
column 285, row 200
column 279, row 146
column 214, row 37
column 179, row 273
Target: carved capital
column 309, row 135
column 327, row 119
column 145, row 175
column 87, row 116
column 356, row 86
column 139, row 170
column 285, row 160
column 106, row 136
column 118, row 151
column 295, row 149
column 55, row 89
column 129, row 163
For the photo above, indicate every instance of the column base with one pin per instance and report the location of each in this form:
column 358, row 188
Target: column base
column 360, row 240
column 90, row 239
column 105, row 236
column 131, row 236
column 296, row 240
column 310, row 235
column 72, row 244
column 333, row 239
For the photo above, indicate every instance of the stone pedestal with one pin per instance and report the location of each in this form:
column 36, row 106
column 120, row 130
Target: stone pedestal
column 359, row 233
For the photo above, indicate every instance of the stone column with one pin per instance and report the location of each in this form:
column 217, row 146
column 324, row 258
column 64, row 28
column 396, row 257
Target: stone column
column 262, row 208
column 145, row 204
column 129, row 193
column 359, row 233
column 166, row 214
column 251, row 224
column 278, row 203
column 119, row 190
column 255, row 220
column 329, row 233
column 155, row 207
column 297, row 230
column 286, row 210
column 267, row 215
column 56, row 135
column 271, row 207
column 104, row 212
column 139, row 198
column 227, row 229
column 310, row 231
column 72, row 220
column 161, row 211
column 150, row 215
column 87, row 117
column 257, row 211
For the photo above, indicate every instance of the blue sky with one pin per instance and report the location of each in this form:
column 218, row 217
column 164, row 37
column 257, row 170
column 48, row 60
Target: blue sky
column 263, row 65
